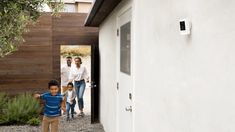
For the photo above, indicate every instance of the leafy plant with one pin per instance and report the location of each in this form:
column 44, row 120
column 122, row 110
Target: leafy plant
column 34, row 122
column 3, row 101
column 3, row 104
column 15, row 15
column 20, row 110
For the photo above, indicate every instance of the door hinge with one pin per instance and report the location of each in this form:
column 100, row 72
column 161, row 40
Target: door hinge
column 117, row 32
column 117, row 86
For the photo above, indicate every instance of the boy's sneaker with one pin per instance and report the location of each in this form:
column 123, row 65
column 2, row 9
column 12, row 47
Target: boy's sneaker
column 67, row 119
column 81, row 114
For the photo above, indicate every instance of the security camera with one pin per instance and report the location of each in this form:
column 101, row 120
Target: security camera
column 185, row 26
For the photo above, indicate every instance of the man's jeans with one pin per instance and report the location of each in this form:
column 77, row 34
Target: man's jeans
column 80, row 89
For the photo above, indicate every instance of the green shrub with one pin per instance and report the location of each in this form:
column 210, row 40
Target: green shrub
column 3, row 102
column 20, row 110
column 34, row 122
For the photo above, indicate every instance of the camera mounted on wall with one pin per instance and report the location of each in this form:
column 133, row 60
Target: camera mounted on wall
column 185, row 26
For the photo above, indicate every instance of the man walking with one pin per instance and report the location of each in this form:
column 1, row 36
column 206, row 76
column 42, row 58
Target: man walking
column 65, row 72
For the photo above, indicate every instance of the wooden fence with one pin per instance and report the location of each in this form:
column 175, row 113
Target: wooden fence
column 38, row 59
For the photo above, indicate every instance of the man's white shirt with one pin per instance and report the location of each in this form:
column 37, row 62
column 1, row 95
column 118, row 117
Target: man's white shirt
column 65, row 73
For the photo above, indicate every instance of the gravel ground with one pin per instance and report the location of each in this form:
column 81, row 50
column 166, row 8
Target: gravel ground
column 77, row 125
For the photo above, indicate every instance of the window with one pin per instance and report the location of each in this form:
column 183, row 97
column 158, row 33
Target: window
column 125, row 48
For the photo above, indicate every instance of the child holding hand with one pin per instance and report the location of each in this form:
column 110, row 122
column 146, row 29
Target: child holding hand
column 70, row 96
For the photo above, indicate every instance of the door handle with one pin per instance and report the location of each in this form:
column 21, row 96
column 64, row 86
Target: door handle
column 128, row 108
column 93, row 85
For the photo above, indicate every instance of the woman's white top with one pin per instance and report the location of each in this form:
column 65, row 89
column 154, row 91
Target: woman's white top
column 78, row 74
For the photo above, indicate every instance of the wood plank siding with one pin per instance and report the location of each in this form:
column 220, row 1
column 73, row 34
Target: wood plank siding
column 38, row 58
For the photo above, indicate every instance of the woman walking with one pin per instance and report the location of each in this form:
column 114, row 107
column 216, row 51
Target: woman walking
column 79, row 75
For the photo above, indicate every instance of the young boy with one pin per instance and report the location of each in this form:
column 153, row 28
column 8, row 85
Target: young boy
column 70, row 96
column 52, row 108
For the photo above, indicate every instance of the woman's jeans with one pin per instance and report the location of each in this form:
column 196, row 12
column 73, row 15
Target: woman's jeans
column 80, row 89
column 68, row 107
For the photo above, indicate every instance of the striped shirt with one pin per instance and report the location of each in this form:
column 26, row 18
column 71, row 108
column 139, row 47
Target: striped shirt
column 52, row 104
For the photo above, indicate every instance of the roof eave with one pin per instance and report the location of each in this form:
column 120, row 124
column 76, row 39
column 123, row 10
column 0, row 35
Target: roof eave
column 100, row 10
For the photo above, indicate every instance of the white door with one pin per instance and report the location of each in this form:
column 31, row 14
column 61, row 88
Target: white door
column 124, row 72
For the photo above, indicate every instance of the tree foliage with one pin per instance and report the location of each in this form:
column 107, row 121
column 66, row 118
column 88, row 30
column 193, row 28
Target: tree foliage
column 15, row 15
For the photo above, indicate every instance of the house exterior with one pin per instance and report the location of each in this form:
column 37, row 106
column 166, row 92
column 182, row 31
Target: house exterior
column 80, row 6
column 153, row 78
column 72, row 6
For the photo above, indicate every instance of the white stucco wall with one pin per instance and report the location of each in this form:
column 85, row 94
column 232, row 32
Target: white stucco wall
column 108, row 95
column 184, row 84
